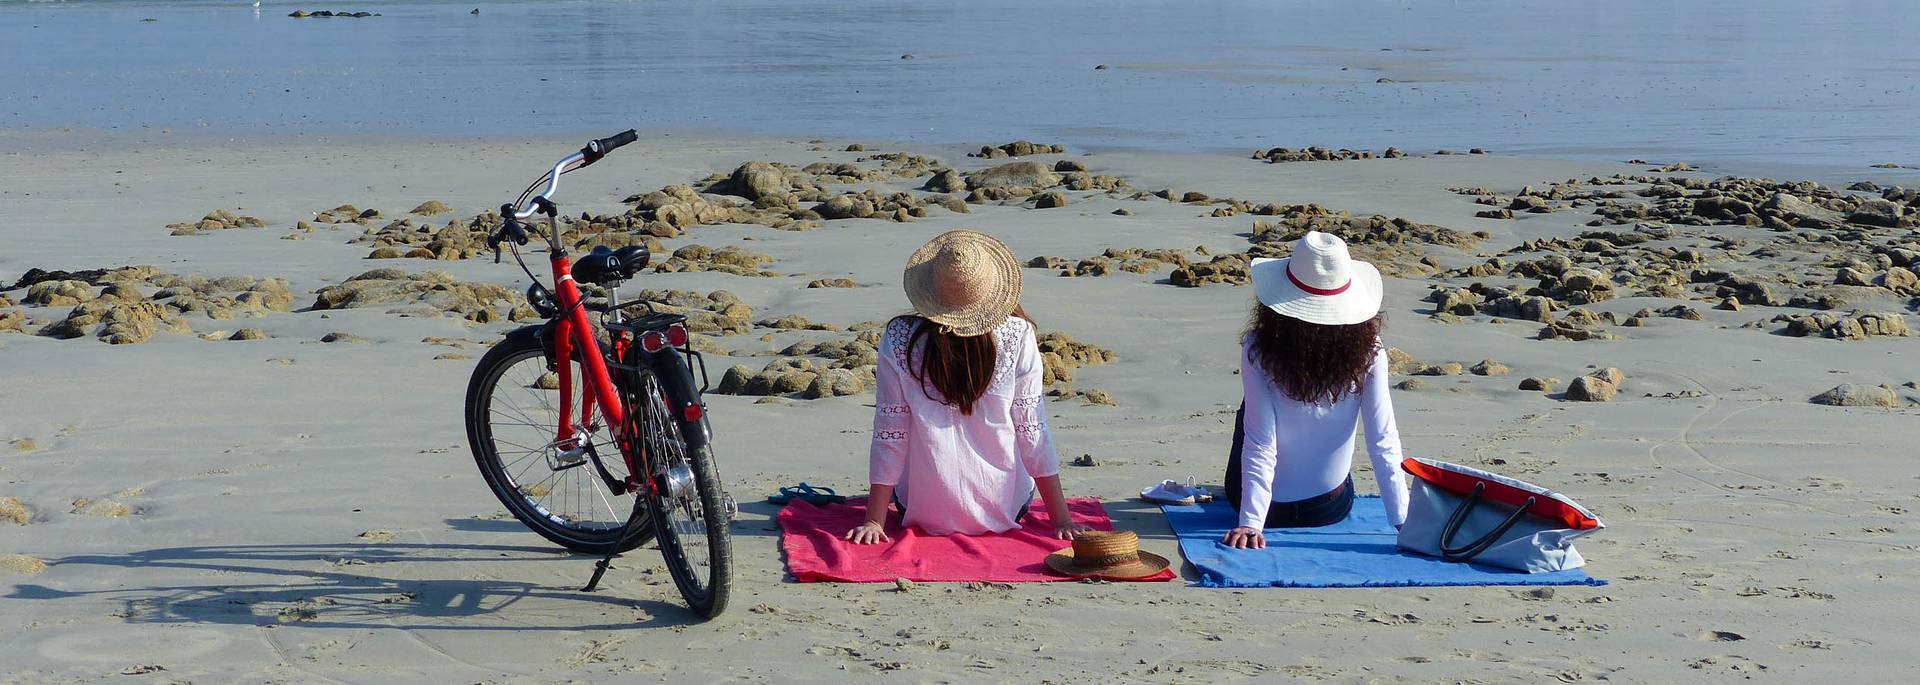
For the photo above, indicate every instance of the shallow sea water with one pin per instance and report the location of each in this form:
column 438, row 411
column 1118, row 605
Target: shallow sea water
column 1824, row 84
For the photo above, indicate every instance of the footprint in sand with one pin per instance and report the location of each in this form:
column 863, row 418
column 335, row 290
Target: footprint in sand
column 377, row 536
column 21, row 565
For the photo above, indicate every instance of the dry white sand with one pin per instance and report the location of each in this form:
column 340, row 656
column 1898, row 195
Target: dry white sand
column 285, row 510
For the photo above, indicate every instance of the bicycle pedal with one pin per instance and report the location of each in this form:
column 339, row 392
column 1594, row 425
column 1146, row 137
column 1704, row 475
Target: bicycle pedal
column 728, row 504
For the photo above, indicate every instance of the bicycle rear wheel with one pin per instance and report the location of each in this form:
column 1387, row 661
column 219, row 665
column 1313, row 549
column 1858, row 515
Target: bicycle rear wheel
column 690, row 512
column 512, row 424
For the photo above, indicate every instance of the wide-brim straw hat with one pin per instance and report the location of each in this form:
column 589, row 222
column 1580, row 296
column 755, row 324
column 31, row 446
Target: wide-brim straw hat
column 1321, row 283
column 967, row 281
column 1111, row 554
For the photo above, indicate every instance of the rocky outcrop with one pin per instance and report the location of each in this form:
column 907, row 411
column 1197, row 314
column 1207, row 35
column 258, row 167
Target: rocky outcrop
column 216, row 220
column 426, row 293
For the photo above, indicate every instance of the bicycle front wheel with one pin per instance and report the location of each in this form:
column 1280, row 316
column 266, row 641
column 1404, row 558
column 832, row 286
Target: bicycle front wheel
column 690, row 512
column 557, row 488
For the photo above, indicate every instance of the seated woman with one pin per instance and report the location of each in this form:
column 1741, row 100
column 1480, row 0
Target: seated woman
column 1311, row 369
column 960, row 437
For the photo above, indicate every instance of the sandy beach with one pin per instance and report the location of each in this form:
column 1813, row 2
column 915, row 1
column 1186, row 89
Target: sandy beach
column 189, row 507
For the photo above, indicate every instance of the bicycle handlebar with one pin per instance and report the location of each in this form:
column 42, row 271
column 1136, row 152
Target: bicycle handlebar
column 592, row 152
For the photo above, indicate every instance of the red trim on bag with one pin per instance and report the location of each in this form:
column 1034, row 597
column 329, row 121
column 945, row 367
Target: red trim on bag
column 1323, row 292
column 1462, row 484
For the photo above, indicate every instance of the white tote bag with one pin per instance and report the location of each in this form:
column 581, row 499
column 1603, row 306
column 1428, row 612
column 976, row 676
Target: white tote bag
column 1465, row 514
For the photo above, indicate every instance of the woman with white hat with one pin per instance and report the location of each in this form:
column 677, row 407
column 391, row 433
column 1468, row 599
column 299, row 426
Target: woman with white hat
column 1311, row 368
column 960, row 438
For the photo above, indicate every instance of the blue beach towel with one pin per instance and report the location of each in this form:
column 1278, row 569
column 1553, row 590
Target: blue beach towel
column 1357, row 552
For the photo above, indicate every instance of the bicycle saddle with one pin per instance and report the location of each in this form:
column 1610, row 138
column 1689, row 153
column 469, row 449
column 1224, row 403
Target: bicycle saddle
column 608, row 267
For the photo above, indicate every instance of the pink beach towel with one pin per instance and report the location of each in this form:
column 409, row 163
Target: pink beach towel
column 817, row 550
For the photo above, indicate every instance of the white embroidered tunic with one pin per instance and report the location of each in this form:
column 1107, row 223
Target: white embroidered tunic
column 957, row 473
column 1297, row 450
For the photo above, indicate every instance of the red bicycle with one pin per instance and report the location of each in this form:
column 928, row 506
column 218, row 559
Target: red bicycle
column 566, row 423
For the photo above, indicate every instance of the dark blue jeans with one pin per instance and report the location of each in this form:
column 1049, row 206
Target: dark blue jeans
column 1312, row 512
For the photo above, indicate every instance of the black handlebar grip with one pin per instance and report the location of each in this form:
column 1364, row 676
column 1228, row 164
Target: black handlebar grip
column 596, row 149
column 610, row 143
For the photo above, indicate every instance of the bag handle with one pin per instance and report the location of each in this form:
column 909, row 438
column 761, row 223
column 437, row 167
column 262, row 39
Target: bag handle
column 1473, row 549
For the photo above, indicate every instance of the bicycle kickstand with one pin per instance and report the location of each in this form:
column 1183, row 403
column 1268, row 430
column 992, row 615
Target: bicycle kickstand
column 599, row 569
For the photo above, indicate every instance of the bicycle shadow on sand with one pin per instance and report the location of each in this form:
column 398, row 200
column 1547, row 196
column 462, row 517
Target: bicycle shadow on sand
column 340, row 586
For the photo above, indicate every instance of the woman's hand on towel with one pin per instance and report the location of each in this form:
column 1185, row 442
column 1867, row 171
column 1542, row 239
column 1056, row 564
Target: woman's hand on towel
column 1071, row 530
column 868, row 533
column 1245, row 538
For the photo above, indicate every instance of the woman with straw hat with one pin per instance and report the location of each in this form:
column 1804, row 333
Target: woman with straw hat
column 1311, row 368
column 960, row 438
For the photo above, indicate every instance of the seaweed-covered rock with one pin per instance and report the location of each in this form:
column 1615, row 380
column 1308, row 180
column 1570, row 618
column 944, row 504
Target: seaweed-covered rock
column 834, row 383
column 1883, row 323
column 730, row 259
column 717, row 313
column 1060, row 354
column 427, row 293
column 946, row 181
column 1018, row 148
column 216, row 220
column 795, row 322
column 1314, row 154
column 1400, row 363
column 1228, row 269
column 116, row 322
column 223, row 298
column 1029, row 175
column 58, row 293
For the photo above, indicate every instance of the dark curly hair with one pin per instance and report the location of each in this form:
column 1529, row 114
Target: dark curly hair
column 1310, row 362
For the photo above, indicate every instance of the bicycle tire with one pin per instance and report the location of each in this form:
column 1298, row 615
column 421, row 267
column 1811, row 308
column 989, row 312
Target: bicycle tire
column 481, row 437
column 706, row 505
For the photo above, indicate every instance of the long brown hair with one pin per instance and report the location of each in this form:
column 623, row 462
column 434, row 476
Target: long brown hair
column 1310, row 362
column 959, row 368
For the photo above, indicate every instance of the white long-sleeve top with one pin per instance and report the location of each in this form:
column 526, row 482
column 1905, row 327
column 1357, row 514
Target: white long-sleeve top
column 1296, row 450
column 959, row 473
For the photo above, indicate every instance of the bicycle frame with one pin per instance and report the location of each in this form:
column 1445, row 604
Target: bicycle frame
column 574, row 330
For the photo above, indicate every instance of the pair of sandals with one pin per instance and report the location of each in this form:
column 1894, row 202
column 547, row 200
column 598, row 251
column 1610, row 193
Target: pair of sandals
column 1176, row 493
column 810, row 494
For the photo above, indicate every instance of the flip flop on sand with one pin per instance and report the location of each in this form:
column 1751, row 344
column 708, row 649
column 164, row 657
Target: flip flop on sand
column 1175, row 492
column 807, row 493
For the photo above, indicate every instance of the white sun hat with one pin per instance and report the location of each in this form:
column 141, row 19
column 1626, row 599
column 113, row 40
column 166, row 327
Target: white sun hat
column 1321, row 283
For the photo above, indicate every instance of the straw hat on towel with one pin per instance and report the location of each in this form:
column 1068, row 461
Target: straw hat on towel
column 1109, row 554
